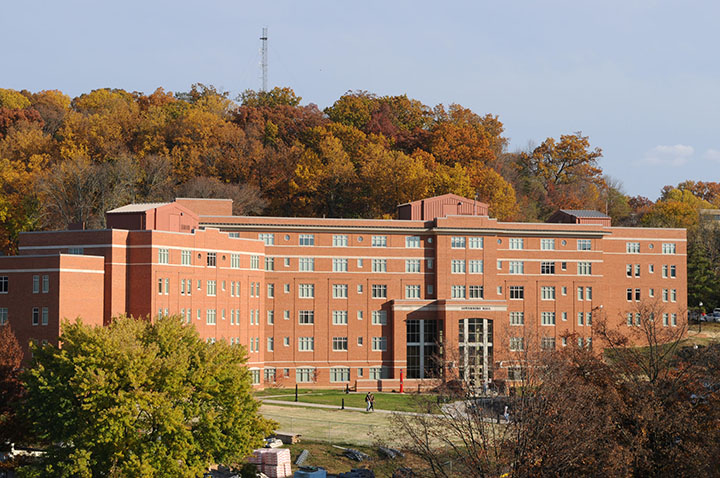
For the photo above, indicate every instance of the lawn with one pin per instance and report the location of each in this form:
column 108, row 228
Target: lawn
column 399, row 402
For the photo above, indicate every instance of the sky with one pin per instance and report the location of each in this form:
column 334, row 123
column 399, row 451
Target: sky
column 639, row 77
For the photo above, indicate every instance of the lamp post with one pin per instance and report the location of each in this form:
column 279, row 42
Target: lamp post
column 700, row 318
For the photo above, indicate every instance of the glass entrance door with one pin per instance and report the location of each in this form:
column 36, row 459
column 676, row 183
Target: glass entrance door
column 476, row 350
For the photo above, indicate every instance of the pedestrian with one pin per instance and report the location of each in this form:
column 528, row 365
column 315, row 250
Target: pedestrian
column 367, row 402
column 506, row 415
column 372, row 402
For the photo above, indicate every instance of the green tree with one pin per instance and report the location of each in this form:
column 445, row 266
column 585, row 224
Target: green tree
column 140, row 398
column 277, row 96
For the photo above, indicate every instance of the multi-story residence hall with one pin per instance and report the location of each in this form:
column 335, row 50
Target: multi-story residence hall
column 351, row 301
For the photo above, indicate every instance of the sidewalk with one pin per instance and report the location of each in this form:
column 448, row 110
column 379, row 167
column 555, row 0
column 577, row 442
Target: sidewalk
column 335, row 407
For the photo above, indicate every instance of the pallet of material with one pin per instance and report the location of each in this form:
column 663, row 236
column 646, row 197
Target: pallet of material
column 288, row 438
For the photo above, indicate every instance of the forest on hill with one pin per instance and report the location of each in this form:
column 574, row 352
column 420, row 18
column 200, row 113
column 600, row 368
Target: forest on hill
column 67, row 160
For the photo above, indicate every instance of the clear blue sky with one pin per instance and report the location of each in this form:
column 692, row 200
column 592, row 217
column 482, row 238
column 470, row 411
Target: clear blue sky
column 640, row 78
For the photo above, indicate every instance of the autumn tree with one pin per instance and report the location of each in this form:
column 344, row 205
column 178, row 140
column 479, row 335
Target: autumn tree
column 140, row 398
column 11, row 388
column 675, row 208
column 562, row 174
column 270, row 99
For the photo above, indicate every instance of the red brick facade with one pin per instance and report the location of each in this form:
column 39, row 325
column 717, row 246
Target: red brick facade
column 343, row 301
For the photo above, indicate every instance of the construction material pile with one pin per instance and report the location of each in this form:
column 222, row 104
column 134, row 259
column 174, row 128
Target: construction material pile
column 274, row 462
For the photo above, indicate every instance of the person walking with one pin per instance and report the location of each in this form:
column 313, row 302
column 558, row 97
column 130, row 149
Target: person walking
column 506, row 415
column 372, row 402
column 367, row 402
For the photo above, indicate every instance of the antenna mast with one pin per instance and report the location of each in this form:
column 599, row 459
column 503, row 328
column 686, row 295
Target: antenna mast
column 264, row 39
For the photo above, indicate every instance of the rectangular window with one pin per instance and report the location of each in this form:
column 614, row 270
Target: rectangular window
column 44, row 316
column 305, row 375
column 267, row 237
column 412, row 242
column 517, row 292
column 359, row 314
column 167, row 286
column 306, row 317
column 588, row 293
column 476, row 266
column 516, row 243
column 628, row 270
column 429, row 263
column 629, row 294
column 584, row 244
column 673, row 320
column 46, row 282
column 547, row 244
column 458, row 266
column 632, row 247
column 637, row 270
column 629, row 319
column 379, row 265
column 286, row 314
column 379, row 373
column 516, row 267
column 286, row 261
column 499, row 265
column 669, row 248
column 665, row 318
column 547, row 343
column 517, row 318
column 651, row 292
column 637, row 294
column 584, row 268
column 340, row 291
column 547, row 267
column 186, row 257
column 340, row 317
column 270, row 344
column 547, row 318
column 581, row 318
column 3, row 315
column 235, row 261
column 211, row 259
column 564, row 316
column 475, row 292
column 306, row 291
column 457, row 292
column 306, row 264
column 306, row 344
column 359, row 288
column 475, row 242
column 547, row 292
column 379, row 317
column 160, row 285
column 379, row 241
column 673, row 271
column 211, row 287
column 211, row 317
column 581, row 293
column 339, row 240
column 339, row 344
column 379, row 344
column 340, row 374
column 163, row 256
column 76, row 251
column 306, row 240
column 269, row 263
column 664, row 271
column 271, row 290
column 412, row 291
column 673, row 295
column 360, row 263
column 517, row 344
column 255, row 262
column 412, row 265
column 36, row 284
column 270, row 317
column 379, row 291
column 270, row 375
column 339, row 265
column 457, row 242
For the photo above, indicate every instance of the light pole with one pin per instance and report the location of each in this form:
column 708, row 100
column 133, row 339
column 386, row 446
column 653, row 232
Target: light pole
column 700, row 318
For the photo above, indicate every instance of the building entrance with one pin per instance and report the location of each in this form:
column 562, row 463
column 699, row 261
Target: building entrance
column 476, row 350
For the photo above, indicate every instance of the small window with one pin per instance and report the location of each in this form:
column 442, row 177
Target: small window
column 584, row 244
column 475, row 242
column 379, row 291
column 36, row 284
column 517, row 292
column 211, row 259
column 340, row 240
column 517, row 243
column 379, row 241
column 547, row 244
column 267, row 238
column 163, row 256
column 412, row 242
column 457, row 242
column 307, row 240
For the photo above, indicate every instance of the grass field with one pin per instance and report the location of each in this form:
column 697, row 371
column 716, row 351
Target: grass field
column 406, row 402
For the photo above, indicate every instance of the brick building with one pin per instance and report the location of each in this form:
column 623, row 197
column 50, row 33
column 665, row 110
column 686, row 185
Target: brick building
column 351, row 301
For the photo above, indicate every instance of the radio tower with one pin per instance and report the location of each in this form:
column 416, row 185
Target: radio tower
column 264, row 39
